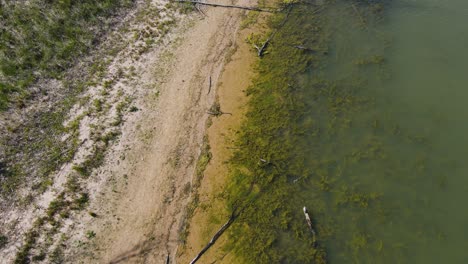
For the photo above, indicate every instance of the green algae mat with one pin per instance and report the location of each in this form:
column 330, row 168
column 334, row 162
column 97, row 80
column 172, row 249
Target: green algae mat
column 358, row 113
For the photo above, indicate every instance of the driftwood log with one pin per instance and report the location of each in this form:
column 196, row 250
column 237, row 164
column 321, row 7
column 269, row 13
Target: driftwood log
column 209, row 85
column 230, row 6
column 309, row 223
column 215, row 237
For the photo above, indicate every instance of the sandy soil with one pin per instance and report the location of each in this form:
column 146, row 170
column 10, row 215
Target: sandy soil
column 140, row 217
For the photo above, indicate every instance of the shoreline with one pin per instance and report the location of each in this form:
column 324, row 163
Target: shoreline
column 211, row 211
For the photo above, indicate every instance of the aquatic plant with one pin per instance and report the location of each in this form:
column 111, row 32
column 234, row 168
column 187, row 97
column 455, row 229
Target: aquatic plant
column 314, row 136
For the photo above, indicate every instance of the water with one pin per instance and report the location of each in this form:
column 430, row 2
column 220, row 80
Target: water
column 387, row 148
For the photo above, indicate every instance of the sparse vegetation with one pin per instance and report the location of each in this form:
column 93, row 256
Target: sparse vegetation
column 250, row 19
column 90, row 234
column 3, row 241
column 22, row 256
column 81, row 202
column 133, row 109
column 41, row 38
column 56, row 206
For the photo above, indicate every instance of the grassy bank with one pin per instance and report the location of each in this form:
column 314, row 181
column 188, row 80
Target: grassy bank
column 41, row 39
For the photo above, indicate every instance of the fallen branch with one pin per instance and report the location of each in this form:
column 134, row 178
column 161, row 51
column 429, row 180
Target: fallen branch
column 215, row 237
column 218, row 113
column 209, row 86
column 230, row 6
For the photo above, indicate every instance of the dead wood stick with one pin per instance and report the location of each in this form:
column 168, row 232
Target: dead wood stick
column 209, row 86
column 230, row 6
column 215, row 237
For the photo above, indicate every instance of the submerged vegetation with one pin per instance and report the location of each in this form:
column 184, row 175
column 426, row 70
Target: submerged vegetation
column 317, row 136
column 271, row 227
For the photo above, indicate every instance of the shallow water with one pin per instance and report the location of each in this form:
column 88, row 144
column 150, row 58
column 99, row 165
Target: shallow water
column 387, row 146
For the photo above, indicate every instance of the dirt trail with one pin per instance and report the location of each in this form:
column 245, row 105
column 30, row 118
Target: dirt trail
column 140, row 219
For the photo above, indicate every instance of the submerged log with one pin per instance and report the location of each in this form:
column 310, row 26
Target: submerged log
column 309, row 223
column 304, row 48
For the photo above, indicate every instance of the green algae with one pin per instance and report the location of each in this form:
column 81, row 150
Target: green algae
column 262, row 171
